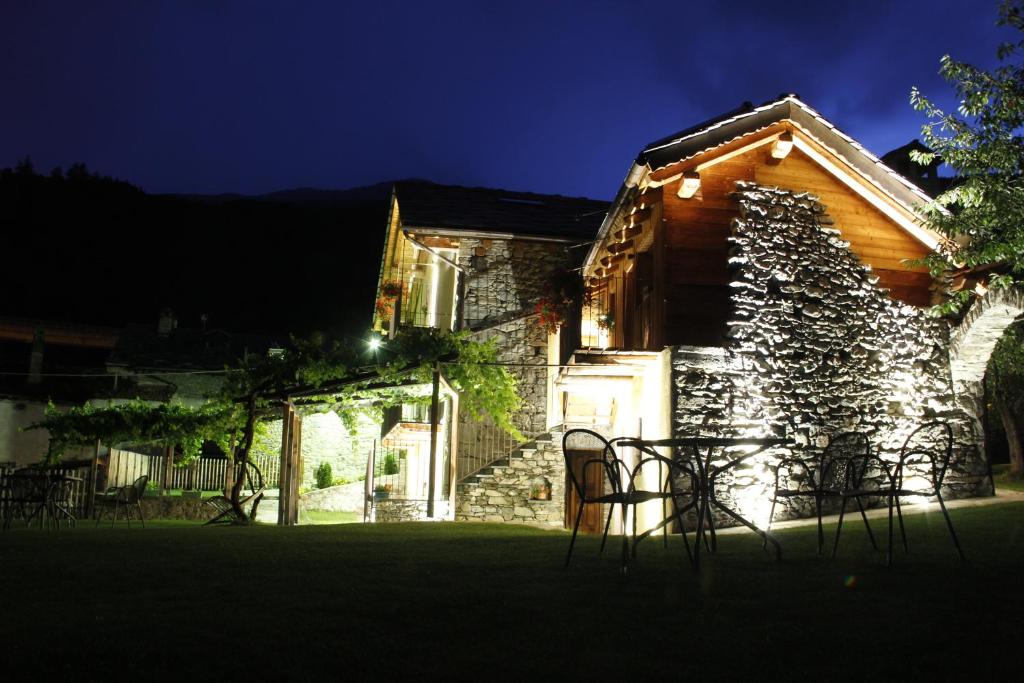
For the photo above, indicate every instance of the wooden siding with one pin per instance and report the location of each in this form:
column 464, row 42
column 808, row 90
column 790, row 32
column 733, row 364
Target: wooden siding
column 696, row 231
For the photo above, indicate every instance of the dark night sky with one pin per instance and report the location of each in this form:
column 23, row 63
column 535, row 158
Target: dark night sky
column 250, row 97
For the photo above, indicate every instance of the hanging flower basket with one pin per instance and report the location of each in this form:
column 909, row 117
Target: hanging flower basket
column 562, row 290
column 384, row 308
column 391, row 288
column 551, row 313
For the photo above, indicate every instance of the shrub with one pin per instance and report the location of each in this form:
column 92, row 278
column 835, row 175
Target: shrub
column 390, row 464
column 324, row 477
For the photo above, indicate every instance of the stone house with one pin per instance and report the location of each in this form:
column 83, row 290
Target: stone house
column 751, row 277
column 477, row 260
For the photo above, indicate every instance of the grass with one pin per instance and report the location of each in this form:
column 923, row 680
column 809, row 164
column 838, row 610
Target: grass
column 1003, row 480
column 492, row 602
column 328, row 517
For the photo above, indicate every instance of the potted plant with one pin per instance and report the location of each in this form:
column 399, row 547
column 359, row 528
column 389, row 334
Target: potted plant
column 381, row 492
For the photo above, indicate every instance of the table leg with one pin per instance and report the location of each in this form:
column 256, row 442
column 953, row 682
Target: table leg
column 765, row 536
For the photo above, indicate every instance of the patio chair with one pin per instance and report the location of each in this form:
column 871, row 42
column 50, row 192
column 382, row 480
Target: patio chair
column 128, row 497
column 675, row 471
column 840, row 468
column 24, row 496
column 920, row 471
column 606, row 488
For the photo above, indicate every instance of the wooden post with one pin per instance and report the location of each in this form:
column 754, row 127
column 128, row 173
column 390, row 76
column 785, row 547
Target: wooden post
column 168, row 482
column 291, row 461
column 90, row 493
column 284, row 477
column 432, row 477
column 293, row 494
column 229, row 468
column 368, row 482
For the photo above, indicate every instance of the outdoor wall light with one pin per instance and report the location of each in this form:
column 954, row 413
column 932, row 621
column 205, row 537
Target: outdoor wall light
column 374, row 343
column 783, row 146
column 690, row 185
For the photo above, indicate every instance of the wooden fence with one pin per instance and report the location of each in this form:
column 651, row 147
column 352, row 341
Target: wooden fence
column 203, row 474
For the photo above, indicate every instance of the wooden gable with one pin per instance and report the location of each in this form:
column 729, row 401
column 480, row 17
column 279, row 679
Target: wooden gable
column 688, row 237
column 876, row 238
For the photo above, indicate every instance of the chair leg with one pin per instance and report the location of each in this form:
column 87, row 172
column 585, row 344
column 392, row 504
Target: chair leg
column 607, row 525
column 625, row 537
column 575, row 529
column 664, row 529
column 771, row 518
column 142, row 519
column 888, row 547
column 903, row 530
column 821, row 529
column 682, row 531
column 633, row 551
column 864, row 516
column 839, row 526
column 949, row 523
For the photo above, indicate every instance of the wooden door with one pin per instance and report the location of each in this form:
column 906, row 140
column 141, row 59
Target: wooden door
column 593, row 519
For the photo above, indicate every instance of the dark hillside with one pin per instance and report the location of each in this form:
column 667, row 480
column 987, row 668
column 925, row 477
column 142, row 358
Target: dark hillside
column 85, row 248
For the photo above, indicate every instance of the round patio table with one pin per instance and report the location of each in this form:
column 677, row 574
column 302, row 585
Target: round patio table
column 708, row 472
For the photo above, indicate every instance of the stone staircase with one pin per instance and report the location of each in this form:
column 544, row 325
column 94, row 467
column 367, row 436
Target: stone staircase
column 504, row 490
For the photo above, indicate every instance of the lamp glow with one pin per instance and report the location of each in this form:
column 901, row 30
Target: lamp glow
column 374, row 343
column 690, row 185
column 783, row 146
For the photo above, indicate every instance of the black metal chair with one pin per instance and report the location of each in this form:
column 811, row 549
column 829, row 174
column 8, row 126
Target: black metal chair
column 25, row 496
column 127, row 497
column 675, row 471
column 920, row 471
column 924, row 460
column 840, row 468
column 604, row 489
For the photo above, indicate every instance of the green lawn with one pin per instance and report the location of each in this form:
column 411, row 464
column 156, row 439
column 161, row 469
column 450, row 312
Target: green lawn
column 1003, row 480
column 327, row 517
column 492, row 602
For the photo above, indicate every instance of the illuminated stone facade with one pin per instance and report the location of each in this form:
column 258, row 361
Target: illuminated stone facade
column 817, row 348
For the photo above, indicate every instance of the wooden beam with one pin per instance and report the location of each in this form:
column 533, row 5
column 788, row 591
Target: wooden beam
column 628, row 233
column 619, row 247
column 434, row 419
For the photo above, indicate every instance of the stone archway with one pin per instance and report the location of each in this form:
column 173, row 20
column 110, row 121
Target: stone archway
column 972, row 341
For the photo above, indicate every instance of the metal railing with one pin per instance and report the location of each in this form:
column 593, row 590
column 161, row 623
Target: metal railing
column 481, row 444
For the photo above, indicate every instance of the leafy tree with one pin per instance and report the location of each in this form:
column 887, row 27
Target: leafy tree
column 1006, row 379
column 254, row 389
column 983, row 213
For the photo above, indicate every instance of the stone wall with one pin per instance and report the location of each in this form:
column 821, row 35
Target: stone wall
column 171, row 507
column 325, row 439
column 504, row 278
column 404, row 510
column 503, row 493
column 502, row 281
column 343, row 498
column 817, row 348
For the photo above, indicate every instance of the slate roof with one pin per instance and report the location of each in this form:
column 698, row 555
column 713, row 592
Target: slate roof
column 747, row 118
column 429, row 205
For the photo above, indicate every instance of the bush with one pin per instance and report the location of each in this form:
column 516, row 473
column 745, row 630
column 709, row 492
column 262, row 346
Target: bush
column 390, row 464
column 324, row 477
